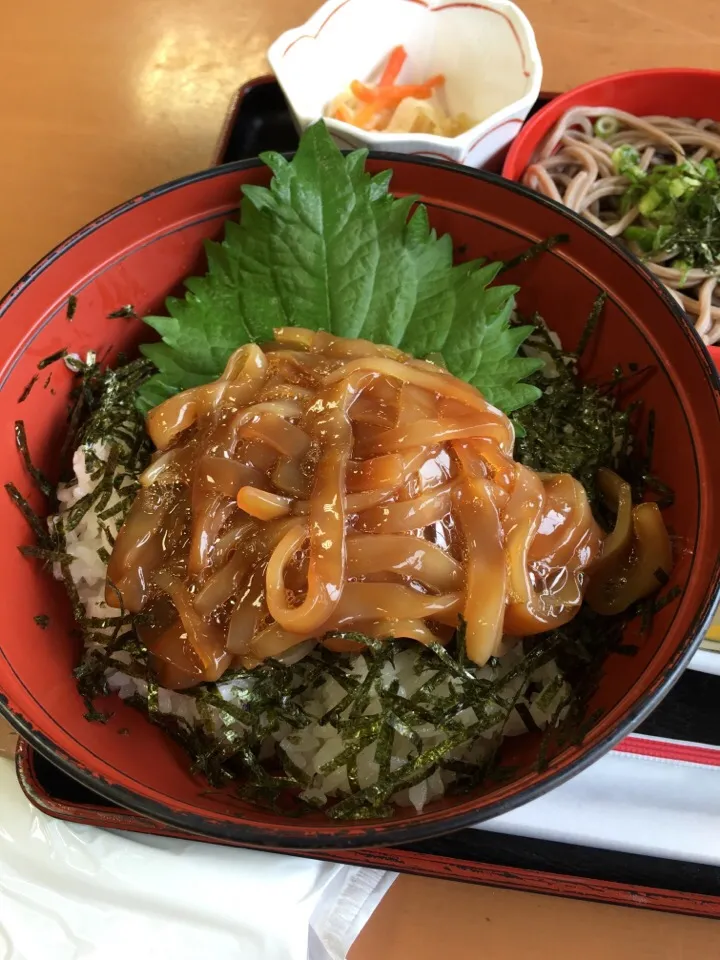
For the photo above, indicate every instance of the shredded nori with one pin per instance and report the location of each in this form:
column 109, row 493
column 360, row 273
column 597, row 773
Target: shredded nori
column 47, row 555
column 542, row 246
column 42, row 620
column 575, row 427
column 272, row 692
column 103, row 411
column 102, row 415
column 659, row 602
column 591, row 324
column 53, row 358
column 37, row 525
column 41, row 481
column 27, row 388
column 71, row 306
column 126, row 312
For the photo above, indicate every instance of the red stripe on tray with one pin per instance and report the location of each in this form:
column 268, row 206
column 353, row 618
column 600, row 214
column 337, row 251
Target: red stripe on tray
column 670, row 750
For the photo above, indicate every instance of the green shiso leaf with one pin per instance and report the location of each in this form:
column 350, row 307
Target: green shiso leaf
column 326, row 247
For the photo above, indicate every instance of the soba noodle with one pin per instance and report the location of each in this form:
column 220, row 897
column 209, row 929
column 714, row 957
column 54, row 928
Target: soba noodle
column 575, row 167
column 326, row 486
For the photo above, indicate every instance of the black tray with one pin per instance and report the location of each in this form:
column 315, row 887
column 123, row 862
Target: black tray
column 259, row 120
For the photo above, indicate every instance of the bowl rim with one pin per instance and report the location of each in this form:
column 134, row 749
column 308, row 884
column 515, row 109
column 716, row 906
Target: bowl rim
column 377, row 138
column 527, row 133
column 373, row 833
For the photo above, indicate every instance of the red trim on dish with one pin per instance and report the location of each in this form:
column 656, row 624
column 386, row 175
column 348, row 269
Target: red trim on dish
column 423, row 3
column 444, row 156
column 308, row 36
column 493, row 129
column 479, row 6
column 670, row 750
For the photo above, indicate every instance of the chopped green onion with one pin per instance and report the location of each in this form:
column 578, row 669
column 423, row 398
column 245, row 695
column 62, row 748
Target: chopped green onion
column 676, row 188
column 650, row 201
column 644, row 237
column 662, row 236
column 606, row 126
column 684, row 267
column 708, row 169
column 626, row 161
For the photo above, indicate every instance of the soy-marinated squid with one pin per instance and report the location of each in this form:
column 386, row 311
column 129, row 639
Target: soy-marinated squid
column 325, row 487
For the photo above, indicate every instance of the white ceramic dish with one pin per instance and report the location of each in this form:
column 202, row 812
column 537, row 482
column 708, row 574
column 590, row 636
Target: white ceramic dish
column 486, row 51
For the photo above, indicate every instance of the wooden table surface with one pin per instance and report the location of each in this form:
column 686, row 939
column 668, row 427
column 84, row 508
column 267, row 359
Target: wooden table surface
column 102, row 99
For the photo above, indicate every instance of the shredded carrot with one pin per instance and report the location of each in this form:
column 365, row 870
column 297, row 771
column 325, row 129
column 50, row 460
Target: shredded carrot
column 362, row 92
column 374, row 104
column 397, row 58
column 366, row 114
column 394, row 94
column 411, row 89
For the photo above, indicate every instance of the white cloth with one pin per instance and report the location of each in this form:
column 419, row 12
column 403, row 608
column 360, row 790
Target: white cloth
column 72, row 892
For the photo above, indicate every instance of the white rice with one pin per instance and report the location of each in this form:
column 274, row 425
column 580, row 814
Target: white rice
column 313, row 748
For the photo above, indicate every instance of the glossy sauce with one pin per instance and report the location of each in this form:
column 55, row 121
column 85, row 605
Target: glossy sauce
column 327, row 485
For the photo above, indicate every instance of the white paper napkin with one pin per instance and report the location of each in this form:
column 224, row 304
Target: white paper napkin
column 72, row 892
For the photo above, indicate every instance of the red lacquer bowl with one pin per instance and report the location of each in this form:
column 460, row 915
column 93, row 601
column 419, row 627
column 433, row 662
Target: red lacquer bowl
column 138, row 254
column 672, row 91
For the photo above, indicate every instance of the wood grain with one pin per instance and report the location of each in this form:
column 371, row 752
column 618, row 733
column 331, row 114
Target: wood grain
column 583, row 39
column 427, row 919
column 111, row 98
